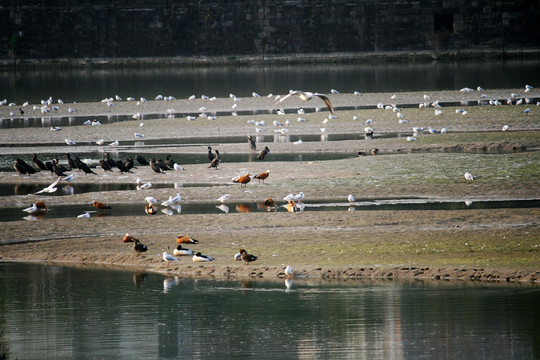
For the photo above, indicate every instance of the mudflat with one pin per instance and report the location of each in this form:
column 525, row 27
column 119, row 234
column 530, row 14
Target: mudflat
column 500, row 244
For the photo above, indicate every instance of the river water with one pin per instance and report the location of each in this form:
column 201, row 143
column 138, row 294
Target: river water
column 54, row 312
column 183, row 81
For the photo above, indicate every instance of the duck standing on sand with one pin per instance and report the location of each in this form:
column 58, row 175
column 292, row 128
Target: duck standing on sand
column 139, row 248
column 242, row 180
column 262, row 176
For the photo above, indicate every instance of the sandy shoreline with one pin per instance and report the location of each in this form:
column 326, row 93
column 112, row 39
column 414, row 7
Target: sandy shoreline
column 490, row 244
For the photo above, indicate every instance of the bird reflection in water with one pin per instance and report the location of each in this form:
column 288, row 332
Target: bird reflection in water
column 103, row 214
column 288, row 284
column 68, row 190
column 245, row 208
column 247, row 284
column 223, row 208
column 139, row 278
column 169, row 282
column 34, row 217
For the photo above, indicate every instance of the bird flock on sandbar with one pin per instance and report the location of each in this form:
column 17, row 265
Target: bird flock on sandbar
column 65, row 172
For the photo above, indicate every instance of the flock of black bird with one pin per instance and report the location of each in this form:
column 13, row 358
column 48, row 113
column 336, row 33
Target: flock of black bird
column 108, row 163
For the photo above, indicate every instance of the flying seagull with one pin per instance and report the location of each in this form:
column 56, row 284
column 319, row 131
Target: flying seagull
column 49, row 189
column 305, row 95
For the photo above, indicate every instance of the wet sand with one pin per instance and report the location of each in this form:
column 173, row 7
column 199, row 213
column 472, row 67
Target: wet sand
column 479, row 244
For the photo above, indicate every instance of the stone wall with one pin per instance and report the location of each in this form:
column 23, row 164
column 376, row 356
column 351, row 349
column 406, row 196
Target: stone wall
column 167, row 28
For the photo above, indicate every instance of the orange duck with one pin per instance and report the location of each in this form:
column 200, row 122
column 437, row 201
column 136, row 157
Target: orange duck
column 270, row 204
column 100, row 206
column 291, row 206
column 150, row 210
column 262, row 176
column 129, row 238
column 186, row 239
column 243, row 180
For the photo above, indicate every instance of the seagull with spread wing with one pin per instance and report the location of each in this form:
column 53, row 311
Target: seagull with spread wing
column 49, row 189
column 306, row 96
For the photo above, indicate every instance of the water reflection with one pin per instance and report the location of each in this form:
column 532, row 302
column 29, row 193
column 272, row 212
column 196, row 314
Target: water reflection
column 99, row 313
column 183, row 81
column 136, row 209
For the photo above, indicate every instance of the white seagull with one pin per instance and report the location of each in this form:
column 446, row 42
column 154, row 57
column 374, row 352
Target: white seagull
column 144, row 186
column 168, row 258
column 350, row 198
column 49, row 189
column 289, row 271
column 86, row 215
column 150, row 200
column 223, row 199
column 468, row 176
column 70, row 142
column 306, row 96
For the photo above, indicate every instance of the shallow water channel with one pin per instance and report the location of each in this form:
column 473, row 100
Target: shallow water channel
column 54, row 312
column 137, row 209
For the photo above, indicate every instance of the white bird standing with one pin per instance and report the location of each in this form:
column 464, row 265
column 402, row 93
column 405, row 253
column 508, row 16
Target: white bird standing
column 68, row 178
column 114, row 143
column 177, row 198
column 289, row 271
column 49, row 189
column 223, row 199
column 289, row 197
column 177, row 167
column 70, row 142
column 168, row 202
column 468, row 176
column 505, row 128
column 150, row 200
column 350, row 198
column 168, row 258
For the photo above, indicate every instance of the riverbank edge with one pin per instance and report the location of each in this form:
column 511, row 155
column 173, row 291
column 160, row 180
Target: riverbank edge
column 282, row 59
column 308, row 272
